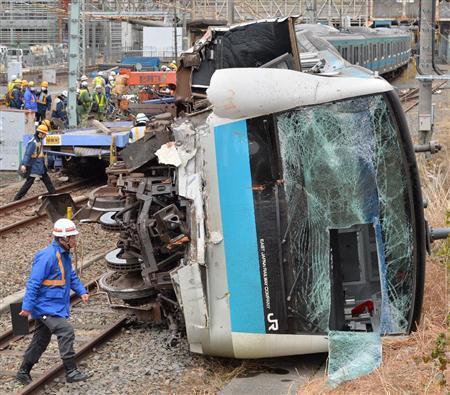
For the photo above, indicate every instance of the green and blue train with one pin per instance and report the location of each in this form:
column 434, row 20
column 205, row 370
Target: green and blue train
column 384, row 50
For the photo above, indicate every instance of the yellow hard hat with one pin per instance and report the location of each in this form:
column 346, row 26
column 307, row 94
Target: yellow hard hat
column 47, row 123
column 24, row 83
column 44, row 84
column 31, row 83
column 42, row 129
column 17, row 81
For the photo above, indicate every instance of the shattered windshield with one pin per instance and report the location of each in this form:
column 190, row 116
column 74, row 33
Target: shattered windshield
column 345, row 187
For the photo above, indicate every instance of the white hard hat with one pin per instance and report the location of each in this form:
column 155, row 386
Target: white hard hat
column 14, row 77
column 100, row 73
column 84, row 84
column 98, row 86
column 64, row 93
column 112, row 73
column 111, row 78
column 141, row 117
column 83, row 78
column 64, row 227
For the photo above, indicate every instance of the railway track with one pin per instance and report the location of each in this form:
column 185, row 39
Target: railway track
column 414, row 95
column 91, row 338
column 17, row 207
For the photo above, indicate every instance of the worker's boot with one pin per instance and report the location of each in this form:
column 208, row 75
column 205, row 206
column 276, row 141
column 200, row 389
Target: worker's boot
column 23, row 374
column 73, row 375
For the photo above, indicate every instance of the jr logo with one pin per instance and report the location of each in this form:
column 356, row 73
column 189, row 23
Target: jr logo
column 273, row 322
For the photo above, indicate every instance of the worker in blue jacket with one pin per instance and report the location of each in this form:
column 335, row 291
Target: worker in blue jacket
column 29, row 97
column 47, row 300
column 33, row 164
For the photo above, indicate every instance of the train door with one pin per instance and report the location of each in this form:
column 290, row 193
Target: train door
column 344, row 53
column 356, row 52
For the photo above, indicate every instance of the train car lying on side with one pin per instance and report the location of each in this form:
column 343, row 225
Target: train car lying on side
column 282, row 216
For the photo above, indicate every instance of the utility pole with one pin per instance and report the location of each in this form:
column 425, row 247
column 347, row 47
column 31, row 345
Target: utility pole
column 175, row 24
column 311, row 11
column 230, row 12
column 426, row 68
column 74, row 54
column 184, row 34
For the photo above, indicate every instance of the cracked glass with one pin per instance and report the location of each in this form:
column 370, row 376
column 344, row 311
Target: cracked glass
column 342, row 168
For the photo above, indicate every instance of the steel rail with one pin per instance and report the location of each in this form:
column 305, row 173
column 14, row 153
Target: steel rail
column 417, row 101
column 104, row 336
column 28, row 221
column 7, row 337
column 34, row 199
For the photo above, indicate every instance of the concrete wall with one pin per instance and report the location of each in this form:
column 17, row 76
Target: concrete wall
column 394, row 9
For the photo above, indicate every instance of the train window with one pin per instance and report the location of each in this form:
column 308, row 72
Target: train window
column 374, row 51
column 382, row 51
column 356, row 55
column 340, row 162
column 344, row 53
column 264, row 162
column 389, row 50
column 365, row 57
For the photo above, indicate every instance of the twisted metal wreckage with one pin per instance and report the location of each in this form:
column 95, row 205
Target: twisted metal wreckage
column 280, row 212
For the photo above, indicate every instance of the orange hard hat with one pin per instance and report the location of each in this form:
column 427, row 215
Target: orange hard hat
column 42, row 129
column 47, row 123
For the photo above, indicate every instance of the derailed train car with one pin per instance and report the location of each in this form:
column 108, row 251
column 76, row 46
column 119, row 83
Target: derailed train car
column 280, row 213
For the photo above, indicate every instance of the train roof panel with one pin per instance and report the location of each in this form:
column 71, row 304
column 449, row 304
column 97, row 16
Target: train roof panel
column 351, row 33
column 249, row 92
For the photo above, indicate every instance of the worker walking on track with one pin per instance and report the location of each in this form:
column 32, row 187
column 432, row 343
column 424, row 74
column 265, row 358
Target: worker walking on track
column 33, row 164
column 47, row 300
column 99, row 103
column 84, row 103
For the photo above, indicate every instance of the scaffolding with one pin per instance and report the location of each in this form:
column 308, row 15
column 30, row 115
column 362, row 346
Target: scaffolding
column 28, row 22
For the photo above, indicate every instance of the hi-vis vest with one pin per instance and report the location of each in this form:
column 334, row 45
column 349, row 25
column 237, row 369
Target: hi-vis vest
column 39, row 150
column 99, row 81
column 100, row 99
column 136, row 133
column 42, row 98
column 60, row 282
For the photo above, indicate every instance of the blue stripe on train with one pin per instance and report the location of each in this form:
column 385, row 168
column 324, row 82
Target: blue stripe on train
column 239, row 228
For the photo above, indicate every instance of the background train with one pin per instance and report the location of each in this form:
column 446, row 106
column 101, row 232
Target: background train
column 384, row 50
